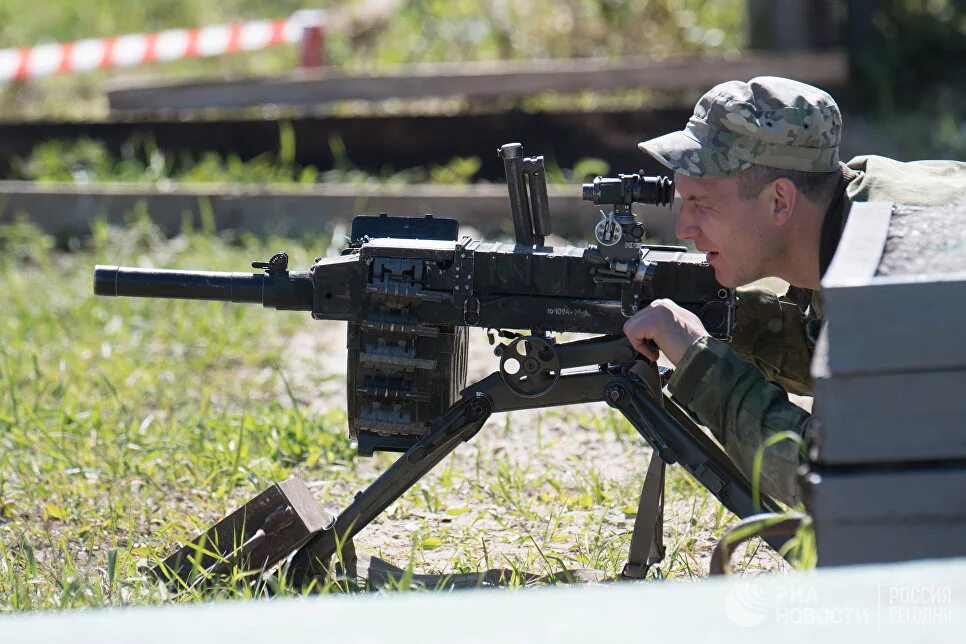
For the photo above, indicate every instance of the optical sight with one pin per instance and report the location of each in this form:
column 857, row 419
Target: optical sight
column 630, row 188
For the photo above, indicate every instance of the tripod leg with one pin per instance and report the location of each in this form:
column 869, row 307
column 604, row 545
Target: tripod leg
column 458, row 424
column 647, row 539
column 677, row 440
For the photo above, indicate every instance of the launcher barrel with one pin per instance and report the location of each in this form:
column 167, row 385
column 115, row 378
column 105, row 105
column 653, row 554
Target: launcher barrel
column 290, row 291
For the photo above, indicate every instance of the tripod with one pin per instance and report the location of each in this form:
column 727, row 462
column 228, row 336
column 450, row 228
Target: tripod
column 531, row 376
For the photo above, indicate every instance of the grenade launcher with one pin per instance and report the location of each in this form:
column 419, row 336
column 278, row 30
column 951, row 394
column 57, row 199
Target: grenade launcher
column 409, row 287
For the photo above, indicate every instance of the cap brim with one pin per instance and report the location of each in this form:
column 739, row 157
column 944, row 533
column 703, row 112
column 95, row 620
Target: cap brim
column 682, row 153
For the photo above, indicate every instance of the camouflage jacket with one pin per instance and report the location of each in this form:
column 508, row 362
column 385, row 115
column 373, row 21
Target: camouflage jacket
column 739, row 390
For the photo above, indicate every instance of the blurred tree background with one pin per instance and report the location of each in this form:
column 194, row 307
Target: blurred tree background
column 906, row 54
column 418, row 30
column 907, row 71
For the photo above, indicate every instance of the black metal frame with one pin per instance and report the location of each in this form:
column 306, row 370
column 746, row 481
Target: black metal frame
column 618, row 377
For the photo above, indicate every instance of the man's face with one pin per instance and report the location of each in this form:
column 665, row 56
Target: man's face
column 736, row 233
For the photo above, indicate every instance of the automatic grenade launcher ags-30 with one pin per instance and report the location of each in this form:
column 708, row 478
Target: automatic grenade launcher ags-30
column 410, row 286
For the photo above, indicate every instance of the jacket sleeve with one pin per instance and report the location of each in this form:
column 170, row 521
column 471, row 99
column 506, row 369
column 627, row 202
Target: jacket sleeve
column 773, row 332
column 742, row 409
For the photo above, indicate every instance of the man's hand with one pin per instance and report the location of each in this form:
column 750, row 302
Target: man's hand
column 672, row 328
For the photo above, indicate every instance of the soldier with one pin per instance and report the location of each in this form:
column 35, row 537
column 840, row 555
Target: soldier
column 764, row 195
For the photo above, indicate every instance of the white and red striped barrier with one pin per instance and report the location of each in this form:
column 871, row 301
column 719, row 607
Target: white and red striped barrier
column 305, row 27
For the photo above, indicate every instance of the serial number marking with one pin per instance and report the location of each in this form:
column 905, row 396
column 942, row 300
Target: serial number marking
column 566, row 311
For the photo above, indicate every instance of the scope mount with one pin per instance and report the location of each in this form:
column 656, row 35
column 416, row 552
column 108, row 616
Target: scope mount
column 619, row 233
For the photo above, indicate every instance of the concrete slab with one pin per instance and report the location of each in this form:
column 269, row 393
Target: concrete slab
column 898, row 322
column 921, row 602
column 882, row 418
column 878, row 515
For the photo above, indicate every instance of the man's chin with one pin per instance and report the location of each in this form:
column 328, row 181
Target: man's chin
column 724, row 278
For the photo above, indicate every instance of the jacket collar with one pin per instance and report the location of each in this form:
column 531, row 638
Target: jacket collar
column 835, row 217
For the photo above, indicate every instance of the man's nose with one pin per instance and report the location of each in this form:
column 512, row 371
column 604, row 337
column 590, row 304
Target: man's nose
column 686, row 228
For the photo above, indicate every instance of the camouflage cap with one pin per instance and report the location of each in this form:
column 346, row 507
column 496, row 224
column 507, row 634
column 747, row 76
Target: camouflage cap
column 767, row 121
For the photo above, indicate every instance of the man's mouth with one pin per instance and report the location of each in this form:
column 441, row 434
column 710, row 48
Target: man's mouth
column 711, row 255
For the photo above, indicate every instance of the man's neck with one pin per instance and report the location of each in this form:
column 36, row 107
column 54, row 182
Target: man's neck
column 800, row 262
column 812, row 243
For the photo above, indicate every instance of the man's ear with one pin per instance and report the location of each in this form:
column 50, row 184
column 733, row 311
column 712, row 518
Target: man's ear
column 783, row 196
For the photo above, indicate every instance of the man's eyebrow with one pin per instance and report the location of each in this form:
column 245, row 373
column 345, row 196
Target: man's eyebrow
column 698, row 197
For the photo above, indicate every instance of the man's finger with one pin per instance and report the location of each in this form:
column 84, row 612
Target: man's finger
column 646, row 347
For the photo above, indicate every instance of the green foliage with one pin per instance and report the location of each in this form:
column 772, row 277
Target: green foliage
column 936, row 131
column 589, row 167
column 23, row 22
column 438, row 30
column 914, row 48
column 418, row 31
column 460, row 170
column 141, row 162
column 85, row 160
column 906, row 76
column 88, row 161
column 22, row 242
column 905, row 71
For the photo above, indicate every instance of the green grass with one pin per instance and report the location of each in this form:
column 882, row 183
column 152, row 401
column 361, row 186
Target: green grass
column 128, row 426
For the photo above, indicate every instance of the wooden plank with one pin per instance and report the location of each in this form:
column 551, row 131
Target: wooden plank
column 888, row 515
column 882, row 418
column 68, row 209
column 482, row 80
